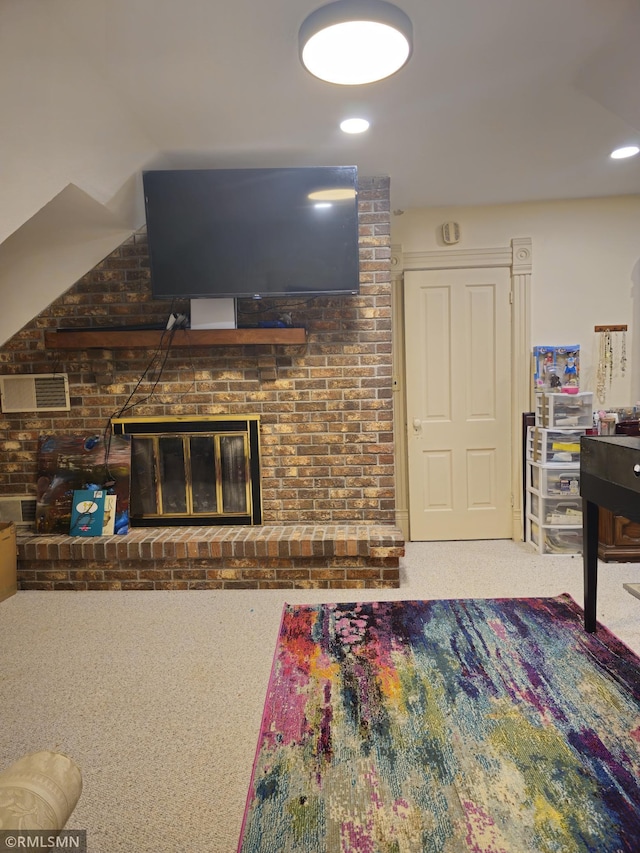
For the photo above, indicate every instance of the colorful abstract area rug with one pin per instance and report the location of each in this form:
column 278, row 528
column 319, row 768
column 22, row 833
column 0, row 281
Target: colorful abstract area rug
column 488, row 726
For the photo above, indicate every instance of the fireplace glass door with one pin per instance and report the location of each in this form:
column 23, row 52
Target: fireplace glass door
column 197, row 475
column 207, row 476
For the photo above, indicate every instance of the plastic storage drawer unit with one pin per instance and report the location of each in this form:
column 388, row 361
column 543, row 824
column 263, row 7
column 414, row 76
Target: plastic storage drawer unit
column 560, row 511
column 554, row 540
column 553, row 481
column 547, row 446
column 565, row 411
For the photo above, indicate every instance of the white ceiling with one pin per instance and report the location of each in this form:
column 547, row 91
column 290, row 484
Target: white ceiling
column 502, row 100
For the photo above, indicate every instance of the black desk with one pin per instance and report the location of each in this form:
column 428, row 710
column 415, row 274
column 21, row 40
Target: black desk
column 609, row 478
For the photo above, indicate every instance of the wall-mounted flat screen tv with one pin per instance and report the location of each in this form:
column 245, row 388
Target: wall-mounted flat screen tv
column 252, row 232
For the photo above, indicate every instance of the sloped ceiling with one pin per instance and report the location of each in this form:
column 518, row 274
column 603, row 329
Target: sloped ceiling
column 502, row 101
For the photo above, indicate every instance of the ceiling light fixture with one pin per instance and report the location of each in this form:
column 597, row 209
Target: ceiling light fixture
column 351, row 42
column 354, row 125
column 627, row 151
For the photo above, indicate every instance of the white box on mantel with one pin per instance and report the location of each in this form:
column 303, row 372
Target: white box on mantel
column 213, row 314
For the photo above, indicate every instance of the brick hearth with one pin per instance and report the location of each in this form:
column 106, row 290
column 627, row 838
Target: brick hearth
column 329, row 556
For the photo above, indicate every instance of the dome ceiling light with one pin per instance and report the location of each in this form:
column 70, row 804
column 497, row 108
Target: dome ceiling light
column 623, row 153
column 354, row 125
column 351, row 42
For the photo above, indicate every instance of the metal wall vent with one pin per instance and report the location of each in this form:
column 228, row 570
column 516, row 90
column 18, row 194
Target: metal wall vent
column 18, row 508
column 36, row 392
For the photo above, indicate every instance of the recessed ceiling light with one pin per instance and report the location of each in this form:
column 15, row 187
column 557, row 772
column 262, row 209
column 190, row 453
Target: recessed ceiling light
column 354, row 125
column 351, row 42
column 627, row 151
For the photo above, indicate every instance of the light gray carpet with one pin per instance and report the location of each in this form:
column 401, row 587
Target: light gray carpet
column 158, row 695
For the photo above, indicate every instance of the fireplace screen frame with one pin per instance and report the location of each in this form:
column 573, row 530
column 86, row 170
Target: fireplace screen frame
column 153, row 429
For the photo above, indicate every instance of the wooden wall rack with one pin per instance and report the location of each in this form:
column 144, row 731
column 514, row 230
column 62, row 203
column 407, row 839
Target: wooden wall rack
column 618, row 328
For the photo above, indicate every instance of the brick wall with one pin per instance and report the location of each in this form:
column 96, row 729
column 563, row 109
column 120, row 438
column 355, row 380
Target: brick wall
column 325, row 408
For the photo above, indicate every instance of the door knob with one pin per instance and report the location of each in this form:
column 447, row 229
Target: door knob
column 417, row 425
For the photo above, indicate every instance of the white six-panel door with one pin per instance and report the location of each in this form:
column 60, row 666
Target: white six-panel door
column 458, row 359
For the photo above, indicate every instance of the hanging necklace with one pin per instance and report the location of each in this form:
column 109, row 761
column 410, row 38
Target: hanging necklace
column 605, row 366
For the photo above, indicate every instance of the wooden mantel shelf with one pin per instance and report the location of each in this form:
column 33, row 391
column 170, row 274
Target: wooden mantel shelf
column 151, row 338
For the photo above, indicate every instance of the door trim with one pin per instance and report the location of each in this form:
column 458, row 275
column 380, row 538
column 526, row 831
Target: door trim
column 518, row 257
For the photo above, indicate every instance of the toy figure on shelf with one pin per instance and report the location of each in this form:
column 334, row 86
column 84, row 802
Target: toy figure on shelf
column 571, row 370
column 557, row 368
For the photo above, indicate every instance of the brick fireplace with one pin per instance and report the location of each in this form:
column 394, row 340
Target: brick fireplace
column 193, row 470
column 326, row 428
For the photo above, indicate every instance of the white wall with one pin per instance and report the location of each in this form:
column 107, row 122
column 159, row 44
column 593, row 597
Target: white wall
column 72, row 149
column 62, row 123
column 586, row 270
column 51, row 251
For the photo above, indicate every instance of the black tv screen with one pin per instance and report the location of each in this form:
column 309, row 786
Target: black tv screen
column 252, row 232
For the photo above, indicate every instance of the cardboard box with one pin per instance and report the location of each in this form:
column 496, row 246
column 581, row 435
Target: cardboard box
column 8, row 560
